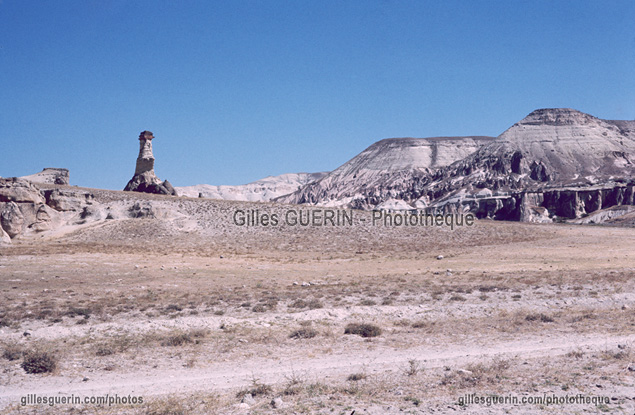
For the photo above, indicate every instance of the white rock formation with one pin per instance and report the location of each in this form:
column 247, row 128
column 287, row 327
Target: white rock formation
column 259, row 191
column 50, row 175
column 377, row 173
column 570, row 144
column 556, row 162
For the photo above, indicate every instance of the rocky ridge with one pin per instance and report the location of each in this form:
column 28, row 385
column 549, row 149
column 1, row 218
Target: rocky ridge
column 377, row 174
column 555, row 164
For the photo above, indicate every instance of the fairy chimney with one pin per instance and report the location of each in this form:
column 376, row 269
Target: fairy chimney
column 144, row 179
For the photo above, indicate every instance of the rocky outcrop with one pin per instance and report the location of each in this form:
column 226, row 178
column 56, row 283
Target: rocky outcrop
column 64, row 200
column 50, row 175
column 12, row 219
column 384, row 171
column 144, row 179
column 25, row 209
column 141, row 210
column 5, row 239
column 555, row 164
column 18, row 190
column 547, row 205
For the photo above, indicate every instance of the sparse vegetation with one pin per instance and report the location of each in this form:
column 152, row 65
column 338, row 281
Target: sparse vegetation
column 76, row 311
column 177, row 340
column 259, row 308
column 363, row 329
column 415, row 401
column 475, row 374
column 173, row 307
column 421, row 324
column 311, row 304
column 256, row 389
column 182, row 338
column 39, row 361
column 543, row 318
column 354, row 377
column 303, row 333
column 413, row 367
column 12, row 351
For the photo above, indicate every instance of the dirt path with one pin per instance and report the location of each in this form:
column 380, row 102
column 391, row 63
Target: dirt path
column 223, row 376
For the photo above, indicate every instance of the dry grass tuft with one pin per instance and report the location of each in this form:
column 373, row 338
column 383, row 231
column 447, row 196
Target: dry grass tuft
column 256, row 389
column 181, row 338
column 477, row 374
column 12, row 351
column 413, row 368
column 543, row 318
column 304, row 333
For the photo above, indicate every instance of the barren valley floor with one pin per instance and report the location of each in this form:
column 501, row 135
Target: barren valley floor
column 254, row 322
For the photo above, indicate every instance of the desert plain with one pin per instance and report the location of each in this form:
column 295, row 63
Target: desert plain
column 196, row 315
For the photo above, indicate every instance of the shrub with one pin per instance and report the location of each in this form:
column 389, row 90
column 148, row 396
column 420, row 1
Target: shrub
column 356, row 377
column 104, row 350
column 314, row 304
column 413, row 367
column 256, row 389
column 421, row 324
column 259, row 308
column 415, row 401
column 38, row 361
column 363, row 329
column 177, row 340
column 180, row 338
column 304, row 333
column 74, row 311
column 311, row 304
column 539, row 317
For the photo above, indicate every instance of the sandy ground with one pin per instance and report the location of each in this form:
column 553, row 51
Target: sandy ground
column 196, row 315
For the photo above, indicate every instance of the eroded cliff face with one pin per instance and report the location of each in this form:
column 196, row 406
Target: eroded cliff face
column 26, row 209
column 546, row 205
column 384, row 170
column 555, row 164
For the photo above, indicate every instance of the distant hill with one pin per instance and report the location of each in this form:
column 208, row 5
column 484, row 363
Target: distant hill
column 555, row 162
column 379, row 173
column 259, row 191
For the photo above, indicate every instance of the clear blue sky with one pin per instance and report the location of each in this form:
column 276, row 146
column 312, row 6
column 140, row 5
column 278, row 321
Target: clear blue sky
column 238, row 90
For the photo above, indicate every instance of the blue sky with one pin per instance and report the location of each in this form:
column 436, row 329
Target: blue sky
column 238, row 90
